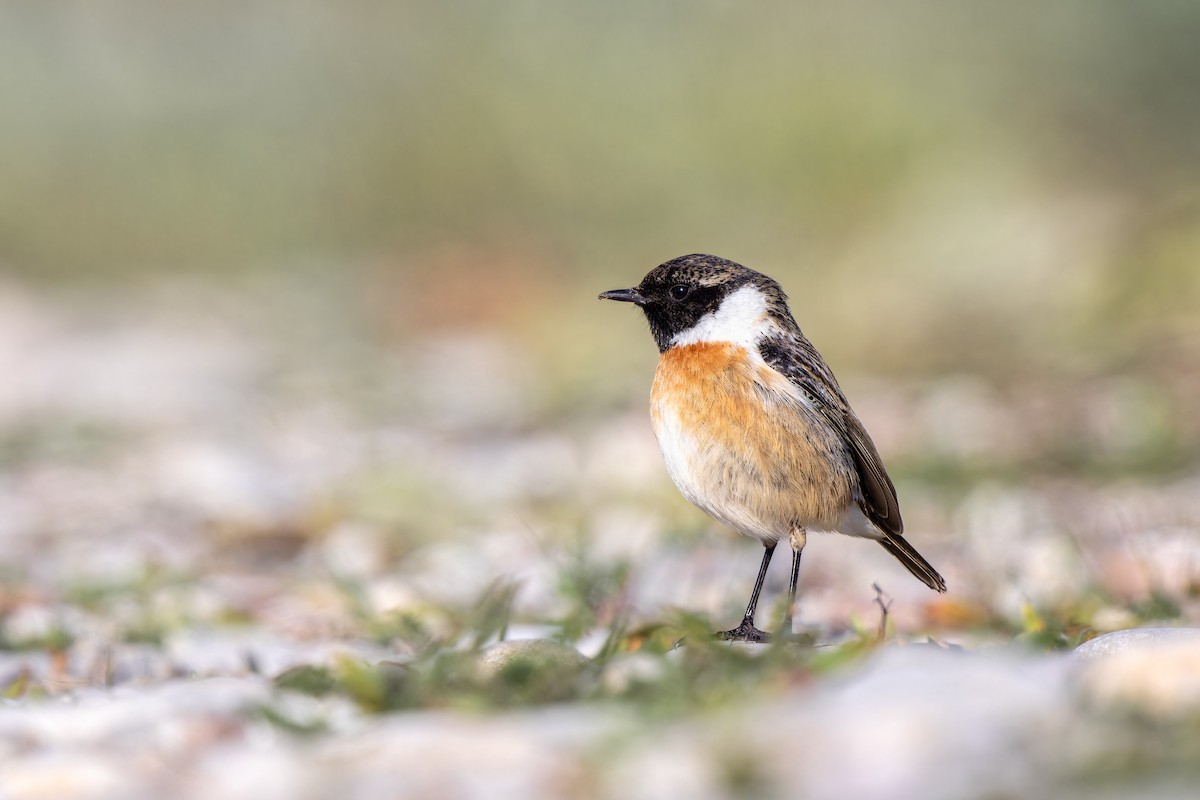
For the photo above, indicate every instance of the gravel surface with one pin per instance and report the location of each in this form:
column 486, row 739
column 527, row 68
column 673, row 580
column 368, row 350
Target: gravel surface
column 242, row 559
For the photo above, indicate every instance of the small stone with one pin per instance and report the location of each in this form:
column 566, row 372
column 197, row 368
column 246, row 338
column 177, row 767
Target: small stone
column 1154, row 670
column 1136, row 639
column 539, row 652
column 531, row 671
column 59, row 775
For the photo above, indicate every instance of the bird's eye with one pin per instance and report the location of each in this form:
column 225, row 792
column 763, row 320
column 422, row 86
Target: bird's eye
column 679, row 291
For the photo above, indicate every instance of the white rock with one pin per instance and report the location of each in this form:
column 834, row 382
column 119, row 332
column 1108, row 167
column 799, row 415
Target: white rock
column 1154, row 670
column 54, row 776
column 251, row 772
column 1137, row 639
column 540, row 651
column 914, row 721
column 420, row 755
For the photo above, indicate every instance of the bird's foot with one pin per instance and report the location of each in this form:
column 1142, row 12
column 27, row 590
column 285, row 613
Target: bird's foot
column 746, row 632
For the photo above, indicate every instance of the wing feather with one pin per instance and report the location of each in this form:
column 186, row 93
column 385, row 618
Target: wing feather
column 796, row 359
column 879, row 494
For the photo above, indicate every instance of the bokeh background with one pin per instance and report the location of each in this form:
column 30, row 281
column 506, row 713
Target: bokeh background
column 300, row 343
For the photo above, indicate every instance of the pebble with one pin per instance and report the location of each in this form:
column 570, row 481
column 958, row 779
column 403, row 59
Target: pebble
column 540, row 652
column 1154, row 671
column 1137, row 639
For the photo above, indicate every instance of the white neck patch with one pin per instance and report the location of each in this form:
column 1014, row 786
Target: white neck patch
column 740, row 319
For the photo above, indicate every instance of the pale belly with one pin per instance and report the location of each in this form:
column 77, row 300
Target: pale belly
column 740, row 446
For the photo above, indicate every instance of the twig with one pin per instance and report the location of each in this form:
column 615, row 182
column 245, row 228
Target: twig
column 884, row 607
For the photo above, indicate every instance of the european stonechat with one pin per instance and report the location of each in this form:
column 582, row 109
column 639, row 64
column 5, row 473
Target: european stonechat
column 752, row 424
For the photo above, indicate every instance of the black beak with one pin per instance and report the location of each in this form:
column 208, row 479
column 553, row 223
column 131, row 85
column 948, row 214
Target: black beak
column 625, row 296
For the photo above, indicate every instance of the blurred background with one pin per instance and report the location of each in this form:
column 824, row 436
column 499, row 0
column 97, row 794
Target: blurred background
column 298, row 323
column 300, row 342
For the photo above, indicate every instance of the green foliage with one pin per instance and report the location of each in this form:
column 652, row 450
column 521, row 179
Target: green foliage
column 56, row 638
column 590, row 588
column 307, row 679
column 282, row 720
column 1044, row 633
column 683, row 667
column 71, row 441
column 1158, row 606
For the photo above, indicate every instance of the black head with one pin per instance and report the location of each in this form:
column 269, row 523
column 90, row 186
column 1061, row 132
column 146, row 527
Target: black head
column 678, row 294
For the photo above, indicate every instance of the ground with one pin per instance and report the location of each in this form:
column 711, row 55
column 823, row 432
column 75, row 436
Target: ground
column 248, row 548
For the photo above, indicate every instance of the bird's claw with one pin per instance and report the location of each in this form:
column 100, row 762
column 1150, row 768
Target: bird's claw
column 746, row 632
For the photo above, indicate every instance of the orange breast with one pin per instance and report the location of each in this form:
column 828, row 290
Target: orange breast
column 740, row 444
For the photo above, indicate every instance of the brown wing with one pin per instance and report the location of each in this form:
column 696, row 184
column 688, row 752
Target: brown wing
column 879, row 494
column 795, row 358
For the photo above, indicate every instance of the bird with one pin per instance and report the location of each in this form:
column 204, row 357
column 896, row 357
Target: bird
column 752, row 424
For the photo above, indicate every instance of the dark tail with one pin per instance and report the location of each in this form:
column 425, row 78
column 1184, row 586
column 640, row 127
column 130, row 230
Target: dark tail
column 907, row 555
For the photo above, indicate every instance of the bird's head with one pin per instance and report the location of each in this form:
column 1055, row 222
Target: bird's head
column 702, row 298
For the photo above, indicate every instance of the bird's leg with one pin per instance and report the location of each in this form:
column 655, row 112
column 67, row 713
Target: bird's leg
column 791, row 606
column 746, row 632
column 799, row 539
